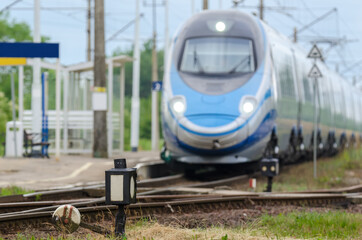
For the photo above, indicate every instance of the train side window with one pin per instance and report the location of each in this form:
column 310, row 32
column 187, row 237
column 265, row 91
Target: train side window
column 323, row 89
column 307, row 84
column 346, row 95
column 284, row 68
column 349, row 104
column 332, row 103
column 321, row 93
column 337, row 96
column 299, row 58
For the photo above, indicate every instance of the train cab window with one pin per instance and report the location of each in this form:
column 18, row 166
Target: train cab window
column 218, row 55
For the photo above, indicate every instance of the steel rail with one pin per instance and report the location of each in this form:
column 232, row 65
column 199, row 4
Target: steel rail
column 206, row 204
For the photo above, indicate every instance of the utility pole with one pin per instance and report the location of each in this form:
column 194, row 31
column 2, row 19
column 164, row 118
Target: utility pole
column 89, row 15
column 36, row 85
column 315, row 73
column 205, row 4
column 165, row 53
column 295, row 37
column 14, row 116
column 135, row 110
column 99, row 116
column 261, row 10
column 155, row 130
column 192, row 7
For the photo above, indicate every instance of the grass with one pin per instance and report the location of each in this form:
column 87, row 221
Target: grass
column 331, row 173
column 330, row 225
column 302, row 225
column 13, row 190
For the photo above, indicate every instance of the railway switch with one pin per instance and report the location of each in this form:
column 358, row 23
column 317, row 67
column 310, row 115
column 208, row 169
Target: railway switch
column 121, row 187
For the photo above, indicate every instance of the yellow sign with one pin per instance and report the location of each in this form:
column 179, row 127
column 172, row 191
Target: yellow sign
column 12, row 61
column 99, row 89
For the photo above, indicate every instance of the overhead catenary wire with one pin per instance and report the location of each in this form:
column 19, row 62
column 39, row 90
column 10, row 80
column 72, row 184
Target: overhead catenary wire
column 125, row 27
column 9, row 6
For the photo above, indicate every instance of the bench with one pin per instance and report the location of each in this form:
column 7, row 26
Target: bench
column 32, row 140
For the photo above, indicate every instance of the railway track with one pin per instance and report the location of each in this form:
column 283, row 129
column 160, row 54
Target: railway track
column 162, row 195
column 95, row 210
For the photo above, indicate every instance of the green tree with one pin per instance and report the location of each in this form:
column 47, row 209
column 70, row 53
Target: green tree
column 145, row 69
column 12, row 31
column 145, row 91
column 5, row 116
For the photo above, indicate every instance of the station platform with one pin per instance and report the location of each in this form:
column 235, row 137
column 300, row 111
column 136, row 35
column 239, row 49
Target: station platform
column 43, row 173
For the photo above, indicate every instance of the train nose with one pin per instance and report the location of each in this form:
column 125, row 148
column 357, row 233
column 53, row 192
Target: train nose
column 211, row 120
column 211, row 132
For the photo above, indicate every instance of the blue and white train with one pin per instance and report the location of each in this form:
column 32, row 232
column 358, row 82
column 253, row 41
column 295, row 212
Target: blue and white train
column 234, row 89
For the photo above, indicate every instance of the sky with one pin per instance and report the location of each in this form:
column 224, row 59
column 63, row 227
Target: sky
column 64, row 21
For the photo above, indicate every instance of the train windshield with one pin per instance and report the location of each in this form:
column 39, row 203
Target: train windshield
column 218, row 55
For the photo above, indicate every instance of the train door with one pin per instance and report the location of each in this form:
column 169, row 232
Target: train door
column 287, row 103
column 348, row 104
column 324, row 104
column 338, row 107
column 307, row 88
column 298, row 76
column 332, row 103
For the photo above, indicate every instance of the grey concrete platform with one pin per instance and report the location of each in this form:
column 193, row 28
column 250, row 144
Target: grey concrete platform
column 43, row 173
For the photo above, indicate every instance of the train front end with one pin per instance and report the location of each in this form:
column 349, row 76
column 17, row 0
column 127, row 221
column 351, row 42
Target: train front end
column 216, row 100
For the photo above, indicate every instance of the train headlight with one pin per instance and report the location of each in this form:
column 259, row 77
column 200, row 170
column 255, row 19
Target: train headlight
column 178, row 105
column 220, row 26
column 248, row 105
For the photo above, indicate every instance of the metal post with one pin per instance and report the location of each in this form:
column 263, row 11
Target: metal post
column 261, row 9
column 65, row 111
column 120, row 221
column 85, row 93
column 315, row 73
column 13, row 108
column 135, row 111
column 89, row 54
column 315, row 129
column 205, row 4
column 295, row 35
column 154, row 127
column 110, row 108
column 121, row 112
column 57, row 108
column 165, row 53
column 21, row 92
column 85, row 100
column 270, row 184
column 43, row 90
column 36, row 86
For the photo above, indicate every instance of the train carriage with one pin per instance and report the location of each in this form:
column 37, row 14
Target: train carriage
column 233, row 86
